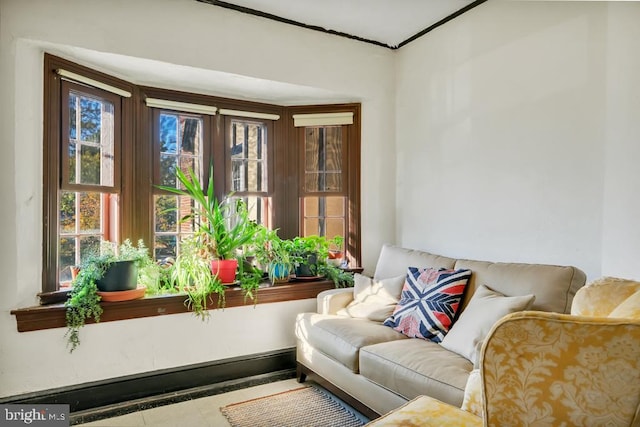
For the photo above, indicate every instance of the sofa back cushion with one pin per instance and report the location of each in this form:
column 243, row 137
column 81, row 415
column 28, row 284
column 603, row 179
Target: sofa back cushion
column 373, row 299
column 553, row 286
column 394, row 261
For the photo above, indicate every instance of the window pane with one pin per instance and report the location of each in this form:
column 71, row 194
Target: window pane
column 89, row 245
column 170, row 224
column 190, row 129
column 323, row 159
column 89, row 164
column 324, row 216
column 67, row 212
column 84, row 220
column 248, row 148
column 90, row 119
column 66, row 258
column 90, row 156
column 180, row 144
column 72, row 162
column 168, row 132
column 168, row 165
column 90, row 212
column 165, row 247
column 166, row 217
column 188, row 163
column 259, row 209
column 334, row 227
column 73, row 131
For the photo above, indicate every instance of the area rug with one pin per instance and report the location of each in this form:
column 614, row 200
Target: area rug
column 302, row 407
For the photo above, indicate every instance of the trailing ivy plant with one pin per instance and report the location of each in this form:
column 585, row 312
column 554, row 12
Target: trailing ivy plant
column 250, row 278
column 84, row 302
column 340, row 278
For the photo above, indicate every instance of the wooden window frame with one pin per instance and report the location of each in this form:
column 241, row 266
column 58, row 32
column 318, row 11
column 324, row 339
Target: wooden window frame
column 137, row 179
column 52, row 168
column 351, row 166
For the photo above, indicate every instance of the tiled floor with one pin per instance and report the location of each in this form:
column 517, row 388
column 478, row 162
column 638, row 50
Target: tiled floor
column 203, row 412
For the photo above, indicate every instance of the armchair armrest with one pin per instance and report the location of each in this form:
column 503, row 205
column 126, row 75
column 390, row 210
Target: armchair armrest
column 427, row 412
column 553, row 369
column 332, row 300
column 601, row 297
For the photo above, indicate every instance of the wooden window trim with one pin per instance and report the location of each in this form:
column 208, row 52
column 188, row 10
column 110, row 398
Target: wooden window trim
column 52, row 104
column 351, row 189
column 53, row 316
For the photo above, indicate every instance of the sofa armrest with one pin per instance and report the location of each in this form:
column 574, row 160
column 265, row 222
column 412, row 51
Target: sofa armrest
column 332, row 300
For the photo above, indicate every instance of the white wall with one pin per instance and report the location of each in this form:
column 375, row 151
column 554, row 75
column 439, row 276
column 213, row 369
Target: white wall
column 519, row 121
column 182, row 32
column 621, row 222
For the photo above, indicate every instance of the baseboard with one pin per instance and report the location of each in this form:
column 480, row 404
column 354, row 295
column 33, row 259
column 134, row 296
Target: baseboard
column 117, row 396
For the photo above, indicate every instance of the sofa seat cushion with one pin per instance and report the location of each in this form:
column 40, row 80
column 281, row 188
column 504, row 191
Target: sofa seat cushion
column 413, row 367
column 341, row 338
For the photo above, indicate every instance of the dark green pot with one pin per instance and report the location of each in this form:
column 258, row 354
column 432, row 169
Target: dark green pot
column 120, row 276
column 309, row 268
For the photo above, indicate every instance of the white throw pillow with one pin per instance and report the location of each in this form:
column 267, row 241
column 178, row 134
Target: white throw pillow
column 485, row 308
column 373, row 299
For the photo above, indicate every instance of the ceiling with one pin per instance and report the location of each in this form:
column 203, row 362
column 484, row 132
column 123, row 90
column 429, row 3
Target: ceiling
column 388, row 23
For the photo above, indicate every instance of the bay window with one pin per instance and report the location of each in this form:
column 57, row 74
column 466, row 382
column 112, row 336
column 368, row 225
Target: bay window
column 109, row 144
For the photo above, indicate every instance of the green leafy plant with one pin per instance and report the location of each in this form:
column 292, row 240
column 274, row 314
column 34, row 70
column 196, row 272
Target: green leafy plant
column 83, row 301
column 272, row 253
column 250, row 279
column 312, row 251
column 225, row 224
column 191, row 273
column 340, row 278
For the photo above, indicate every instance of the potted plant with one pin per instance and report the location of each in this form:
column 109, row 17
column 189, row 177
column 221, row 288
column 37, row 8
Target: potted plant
column 110, row 270
column 224, row 225
column 273, row 254
column 335, row 256
column 191, row 273
column 306, row 252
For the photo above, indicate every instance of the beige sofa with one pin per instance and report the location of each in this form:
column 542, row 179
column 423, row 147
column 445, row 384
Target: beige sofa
column 382, row 368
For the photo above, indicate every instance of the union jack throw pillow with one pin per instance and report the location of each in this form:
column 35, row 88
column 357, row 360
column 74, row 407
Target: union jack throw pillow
column 429, row 302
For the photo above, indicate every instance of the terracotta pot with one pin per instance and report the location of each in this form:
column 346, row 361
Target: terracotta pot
column 225, row 269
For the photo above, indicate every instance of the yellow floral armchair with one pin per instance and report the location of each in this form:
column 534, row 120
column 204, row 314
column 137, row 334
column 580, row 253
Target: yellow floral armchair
column 547, row 369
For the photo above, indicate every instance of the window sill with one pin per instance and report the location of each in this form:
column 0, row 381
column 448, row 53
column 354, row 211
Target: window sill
column 53, row 316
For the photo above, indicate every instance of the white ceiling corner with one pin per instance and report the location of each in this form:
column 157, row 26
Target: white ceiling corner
column 389, row 22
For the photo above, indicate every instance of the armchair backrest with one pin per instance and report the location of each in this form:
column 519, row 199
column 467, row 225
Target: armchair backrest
column 555, row 369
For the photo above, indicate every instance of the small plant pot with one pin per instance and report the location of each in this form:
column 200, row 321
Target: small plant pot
column 279, row 273
column 74, row 271
column 120, row 276
column 308, row 268
column 225, row 269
